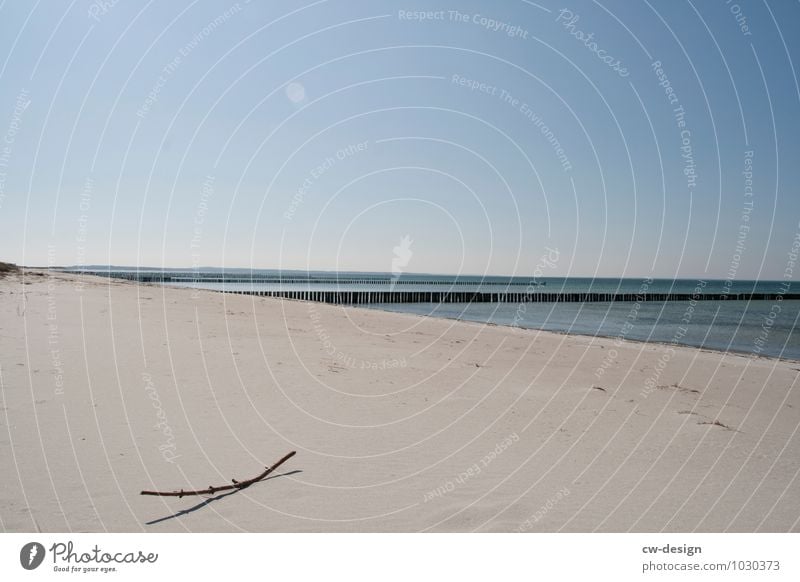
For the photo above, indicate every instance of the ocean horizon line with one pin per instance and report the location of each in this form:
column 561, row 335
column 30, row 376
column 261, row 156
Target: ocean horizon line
column 213, row 269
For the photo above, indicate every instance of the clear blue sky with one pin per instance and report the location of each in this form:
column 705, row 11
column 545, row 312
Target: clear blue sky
column 226, row 134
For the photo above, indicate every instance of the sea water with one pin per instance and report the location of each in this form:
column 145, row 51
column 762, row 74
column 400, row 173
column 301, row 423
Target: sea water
column 766, row 328
column 757, row 327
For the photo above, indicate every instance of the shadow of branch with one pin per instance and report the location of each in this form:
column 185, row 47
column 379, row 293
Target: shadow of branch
column 209, row 500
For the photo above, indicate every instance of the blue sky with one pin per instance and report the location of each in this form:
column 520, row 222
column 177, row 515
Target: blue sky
column 318, row 135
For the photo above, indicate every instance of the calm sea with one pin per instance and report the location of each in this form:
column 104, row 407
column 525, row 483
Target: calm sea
column 759, row 327
column 766, row 328
column 737, row 326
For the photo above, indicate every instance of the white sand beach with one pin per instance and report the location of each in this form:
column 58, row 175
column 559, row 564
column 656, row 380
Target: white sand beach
column 400, row 423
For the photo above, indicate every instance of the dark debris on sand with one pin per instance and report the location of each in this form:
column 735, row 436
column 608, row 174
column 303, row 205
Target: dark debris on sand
column 7, row 269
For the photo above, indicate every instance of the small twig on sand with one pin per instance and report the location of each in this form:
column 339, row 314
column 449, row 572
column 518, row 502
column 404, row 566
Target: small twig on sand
column 718, row 423
column 236, row 484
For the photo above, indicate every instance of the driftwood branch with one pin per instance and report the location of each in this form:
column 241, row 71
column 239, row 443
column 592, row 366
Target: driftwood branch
column 235, row 484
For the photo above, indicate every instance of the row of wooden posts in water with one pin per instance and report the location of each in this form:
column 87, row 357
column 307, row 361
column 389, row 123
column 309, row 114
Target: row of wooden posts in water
column 344, row 297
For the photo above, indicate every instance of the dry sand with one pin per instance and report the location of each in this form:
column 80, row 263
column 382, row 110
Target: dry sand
column 400, row 423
